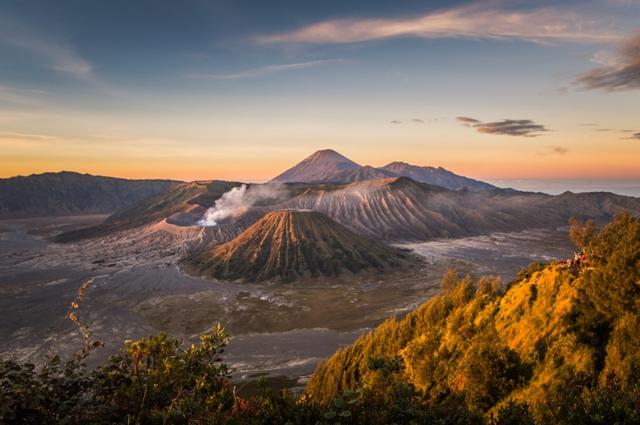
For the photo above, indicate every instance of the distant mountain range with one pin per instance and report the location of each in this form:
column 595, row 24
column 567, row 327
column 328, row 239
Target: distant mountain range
column 394, row 209
column 435, row 176
column 328, row 166
column 401, row 209
column 289, row 244
column 68, row 193
column 371, row 202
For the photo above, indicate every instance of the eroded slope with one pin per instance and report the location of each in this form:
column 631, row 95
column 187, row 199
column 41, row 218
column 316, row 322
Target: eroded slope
column 284, row 245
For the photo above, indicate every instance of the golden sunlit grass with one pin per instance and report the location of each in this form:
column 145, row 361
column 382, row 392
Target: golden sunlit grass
column 555, row 324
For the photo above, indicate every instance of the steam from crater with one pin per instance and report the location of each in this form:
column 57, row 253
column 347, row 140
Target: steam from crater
column 239, row 199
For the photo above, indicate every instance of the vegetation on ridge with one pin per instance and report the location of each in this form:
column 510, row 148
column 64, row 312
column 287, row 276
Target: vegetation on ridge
column 557, row 327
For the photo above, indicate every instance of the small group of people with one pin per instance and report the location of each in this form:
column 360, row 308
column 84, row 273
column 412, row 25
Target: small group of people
column 578, row 261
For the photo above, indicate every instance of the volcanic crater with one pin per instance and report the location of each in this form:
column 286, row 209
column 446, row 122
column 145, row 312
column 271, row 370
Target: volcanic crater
column 289, row 244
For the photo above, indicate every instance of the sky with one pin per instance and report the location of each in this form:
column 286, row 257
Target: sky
column 241, row 90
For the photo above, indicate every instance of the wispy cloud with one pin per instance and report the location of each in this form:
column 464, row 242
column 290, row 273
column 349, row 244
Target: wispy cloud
column 507, row 127
column 56, row 54
column 26, row 136
column 634, row 136
column 11, row 116
column 24, row 140
column 554, row 150
column 263, row 70
column 412, row 120
column 20, row 96
column 621, row 74
column 467, row 120
column 474, row 21
column 93, row 144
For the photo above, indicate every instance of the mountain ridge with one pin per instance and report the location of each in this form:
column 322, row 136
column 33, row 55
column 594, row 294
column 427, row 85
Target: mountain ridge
column 365, row 172
column 68, row 192
column 396, row 209
column 329, row 166
column 190, row 197
column 436, row 176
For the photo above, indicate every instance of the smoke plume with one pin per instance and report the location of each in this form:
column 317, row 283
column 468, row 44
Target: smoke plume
column 239, row 199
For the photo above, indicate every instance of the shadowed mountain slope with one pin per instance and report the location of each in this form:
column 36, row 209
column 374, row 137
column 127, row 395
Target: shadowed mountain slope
column 285, row 245
column 435, row 176
column 192, row 197
column 68, row 193
column 401, row 209
column 359, row 174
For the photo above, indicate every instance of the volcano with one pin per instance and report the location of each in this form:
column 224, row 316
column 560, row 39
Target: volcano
column 286, row 245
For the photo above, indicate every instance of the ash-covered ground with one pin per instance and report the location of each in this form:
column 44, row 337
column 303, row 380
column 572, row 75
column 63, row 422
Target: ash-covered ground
column 277, row 330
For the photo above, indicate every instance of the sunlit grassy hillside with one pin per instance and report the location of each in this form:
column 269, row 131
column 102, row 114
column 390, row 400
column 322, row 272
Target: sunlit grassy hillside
column 555, row 326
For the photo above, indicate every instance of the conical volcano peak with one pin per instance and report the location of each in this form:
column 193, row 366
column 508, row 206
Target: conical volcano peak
column 318, row 167
column 288, row 244
column 328, row 155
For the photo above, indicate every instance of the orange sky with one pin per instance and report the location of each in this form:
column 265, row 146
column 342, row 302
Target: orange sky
column 542, row 162
column 257, row 153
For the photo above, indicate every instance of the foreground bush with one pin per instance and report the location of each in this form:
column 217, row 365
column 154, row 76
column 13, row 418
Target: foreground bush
column 156, row 381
